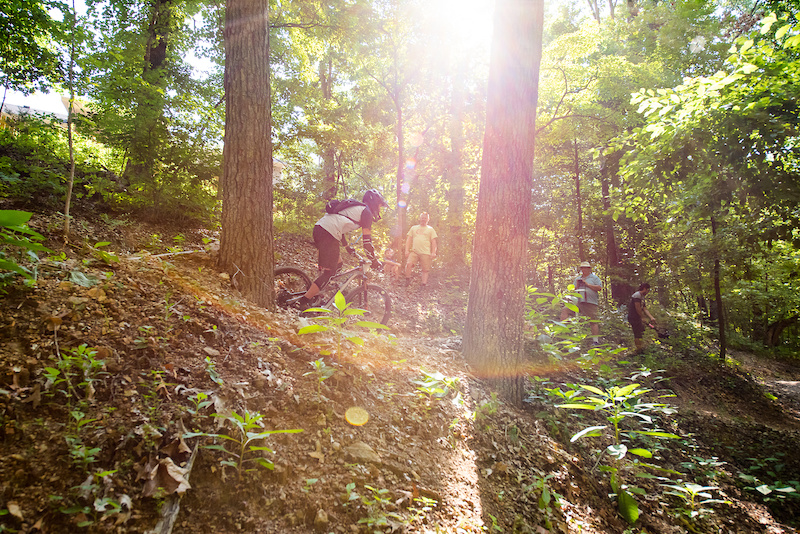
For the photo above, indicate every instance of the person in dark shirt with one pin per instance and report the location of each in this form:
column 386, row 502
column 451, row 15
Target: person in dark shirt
column 637, row 310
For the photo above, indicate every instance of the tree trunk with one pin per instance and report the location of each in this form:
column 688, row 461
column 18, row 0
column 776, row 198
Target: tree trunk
column 70, row 113
column 493, row 338
column 401, row 184
column 621, row 290
column 773, row 334
column 723, row 346
column 330, row 177
column 246, row 239
column 151, row 100
column 578, row 202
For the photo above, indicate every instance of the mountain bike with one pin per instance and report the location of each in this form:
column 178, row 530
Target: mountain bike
column 291, row 283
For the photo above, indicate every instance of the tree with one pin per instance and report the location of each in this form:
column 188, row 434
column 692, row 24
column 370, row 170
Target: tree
column 246, row 240
column 26, row 62
column 493, row 331
column 720, row 149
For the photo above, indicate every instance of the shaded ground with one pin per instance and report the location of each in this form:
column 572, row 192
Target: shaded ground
column 172, row 334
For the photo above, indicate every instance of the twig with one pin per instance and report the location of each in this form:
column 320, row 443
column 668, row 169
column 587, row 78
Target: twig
column 163, row 255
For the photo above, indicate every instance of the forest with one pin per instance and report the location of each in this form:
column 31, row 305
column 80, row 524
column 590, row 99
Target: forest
column 142, row 235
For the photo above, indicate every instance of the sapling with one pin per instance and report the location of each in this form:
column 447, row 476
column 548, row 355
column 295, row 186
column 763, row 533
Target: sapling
column 323, row 372
column 244, row 448
column 618, row 404
column 336, row 319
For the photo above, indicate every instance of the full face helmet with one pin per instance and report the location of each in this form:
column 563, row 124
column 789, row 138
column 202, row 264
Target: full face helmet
column 374, row 201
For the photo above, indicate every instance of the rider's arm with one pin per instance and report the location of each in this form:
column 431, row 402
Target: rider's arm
column 366, row 242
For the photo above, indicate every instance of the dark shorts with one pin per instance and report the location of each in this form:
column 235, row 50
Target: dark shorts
column 328, row 248
column 637, row 326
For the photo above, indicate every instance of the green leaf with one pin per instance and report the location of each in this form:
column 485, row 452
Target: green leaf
column 83, row 280
column 644, row 453
column 574, row 406
column 14, row 267
column 591, row 431
column 627, row 390
column 658, row 434
column 339, row 301
column 312, row 329
column 593, row 389
column 372, row 324
column 355, row 339
column 628, row 507
column 14, row 217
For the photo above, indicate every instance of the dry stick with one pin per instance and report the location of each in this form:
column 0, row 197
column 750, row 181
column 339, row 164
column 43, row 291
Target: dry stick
column 162, row 255
column 172, row 506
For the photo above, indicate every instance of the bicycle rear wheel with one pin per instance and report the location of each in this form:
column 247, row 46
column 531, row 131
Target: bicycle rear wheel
column 376, row 301
column 290, row 282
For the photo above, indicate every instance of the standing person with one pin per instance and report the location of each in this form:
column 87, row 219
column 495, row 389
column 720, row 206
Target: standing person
column 637, row 309
column 421, row 246
column 330, row 230
column 588, row 285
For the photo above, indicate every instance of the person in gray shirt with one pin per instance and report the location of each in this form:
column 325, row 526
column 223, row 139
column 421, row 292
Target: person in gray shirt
column 588, row 285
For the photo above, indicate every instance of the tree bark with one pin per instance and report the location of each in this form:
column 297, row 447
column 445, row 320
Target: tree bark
column 493, row 334
column 578, row 202
column 246, row 238
column 723, row 345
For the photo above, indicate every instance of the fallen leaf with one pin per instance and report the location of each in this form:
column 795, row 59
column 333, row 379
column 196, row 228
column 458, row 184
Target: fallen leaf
column 14, row 509
column 168, row 476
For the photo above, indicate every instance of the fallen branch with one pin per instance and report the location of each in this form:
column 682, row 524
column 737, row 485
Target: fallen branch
column 163, row 255
column 169, row 512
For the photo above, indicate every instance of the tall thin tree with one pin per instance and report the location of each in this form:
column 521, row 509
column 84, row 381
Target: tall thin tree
column 493, row 331
column 246, row 238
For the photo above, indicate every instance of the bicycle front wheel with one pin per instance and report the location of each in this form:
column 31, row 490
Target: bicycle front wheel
column 375, row 300
column 290, row 282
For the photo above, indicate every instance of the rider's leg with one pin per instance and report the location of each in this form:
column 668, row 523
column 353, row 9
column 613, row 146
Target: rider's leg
column 328, row 261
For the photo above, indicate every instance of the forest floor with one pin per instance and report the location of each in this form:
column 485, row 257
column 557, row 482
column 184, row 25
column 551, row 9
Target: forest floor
column 177, row 349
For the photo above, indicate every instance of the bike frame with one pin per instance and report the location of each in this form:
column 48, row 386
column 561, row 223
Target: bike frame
column 343, row 279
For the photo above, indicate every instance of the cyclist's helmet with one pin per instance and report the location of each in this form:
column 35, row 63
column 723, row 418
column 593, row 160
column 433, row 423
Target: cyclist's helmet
column 374, row 201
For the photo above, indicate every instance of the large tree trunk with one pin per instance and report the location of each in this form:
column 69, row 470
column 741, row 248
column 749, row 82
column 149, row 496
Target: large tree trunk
column 246, row 240
column 773, row 333
column 493, row 332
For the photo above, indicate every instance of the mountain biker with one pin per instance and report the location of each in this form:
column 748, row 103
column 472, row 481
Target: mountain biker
column 330, row 230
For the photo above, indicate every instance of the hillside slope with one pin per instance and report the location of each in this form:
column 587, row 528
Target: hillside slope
column 95, row 440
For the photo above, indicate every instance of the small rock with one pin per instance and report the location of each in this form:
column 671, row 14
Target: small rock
column 212, row 352
column 363, row 453
column 321, row 520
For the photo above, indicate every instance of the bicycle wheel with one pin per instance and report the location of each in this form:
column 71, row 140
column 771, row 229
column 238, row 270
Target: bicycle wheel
column 290, row 282
column 376, row 301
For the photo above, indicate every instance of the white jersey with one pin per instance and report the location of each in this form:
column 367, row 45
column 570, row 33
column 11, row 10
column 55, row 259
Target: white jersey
column 338, row 224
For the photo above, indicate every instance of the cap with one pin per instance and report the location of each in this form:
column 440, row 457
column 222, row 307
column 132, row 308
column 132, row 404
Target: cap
column 586, row 264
